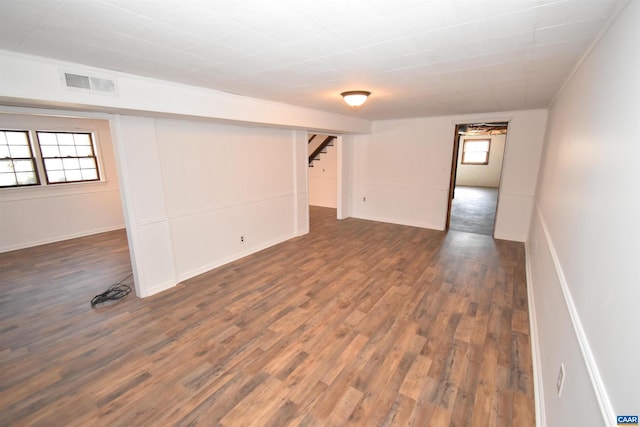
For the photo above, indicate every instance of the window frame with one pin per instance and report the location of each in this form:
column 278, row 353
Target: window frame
column 33, row 159
column 93, row 156
column 464, row 151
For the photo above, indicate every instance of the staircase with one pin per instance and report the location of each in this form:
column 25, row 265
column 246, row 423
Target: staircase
column 321, row 148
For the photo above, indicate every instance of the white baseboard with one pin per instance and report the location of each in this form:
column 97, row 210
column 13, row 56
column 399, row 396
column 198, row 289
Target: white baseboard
column 400, row 222
column 509, row 237
column 60, row 238
column 541, row 420
column 220, row 262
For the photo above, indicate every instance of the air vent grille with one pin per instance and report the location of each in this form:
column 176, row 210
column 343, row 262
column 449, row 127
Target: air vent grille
column 78, row 81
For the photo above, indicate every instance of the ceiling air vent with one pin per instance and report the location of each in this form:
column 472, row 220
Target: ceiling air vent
column 78, row 81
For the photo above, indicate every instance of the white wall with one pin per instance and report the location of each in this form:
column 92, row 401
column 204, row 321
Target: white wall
column 403, row 170
column 482, row 175
column 194, row 188
column 323, row 177
column 41, row 214
column 222, row 182
column 583, row 248
column 35, row 81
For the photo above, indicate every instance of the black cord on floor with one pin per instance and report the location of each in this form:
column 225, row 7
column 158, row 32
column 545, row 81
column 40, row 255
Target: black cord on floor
column 114, row 292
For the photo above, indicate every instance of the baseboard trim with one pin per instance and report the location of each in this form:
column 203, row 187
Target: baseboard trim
column 600, row 391
column 61, row 238
column 541, row 418
column 509, row 238
column 219, row 263
column 399, row 222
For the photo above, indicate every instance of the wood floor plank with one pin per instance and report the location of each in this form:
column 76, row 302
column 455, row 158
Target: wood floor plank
column 357, row 323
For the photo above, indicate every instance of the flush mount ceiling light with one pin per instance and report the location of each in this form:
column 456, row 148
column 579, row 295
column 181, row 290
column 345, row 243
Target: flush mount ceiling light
column 355, row 98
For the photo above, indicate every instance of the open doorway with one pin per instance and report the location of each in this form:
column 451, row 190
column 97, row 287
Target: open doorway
column 475, row 177
column 322, row 175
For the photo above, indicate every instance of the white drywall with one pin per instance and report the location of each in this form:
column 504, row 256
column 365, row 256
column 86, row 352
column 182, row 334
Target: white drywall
column 41, row 214
column 482, row 175
column 323, row 177
column 403, row 169
column 222, row 182
column 583, row 247
column 193, row 189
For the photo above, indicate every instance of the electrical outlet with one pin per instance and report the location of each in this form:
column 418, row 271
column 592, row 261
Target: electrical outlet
column 241, row 239
column 560, row 380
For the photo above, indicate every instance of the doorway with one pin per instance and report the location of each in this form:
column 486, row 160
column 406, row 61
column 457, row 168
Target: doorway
column 478, row 153
column 323, row 176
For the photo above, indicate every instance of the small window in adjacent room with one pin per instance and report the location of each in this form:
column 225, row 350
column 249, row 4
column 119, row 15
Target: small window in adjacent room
column 17, row 165
column 476, row 151
column 68, row 157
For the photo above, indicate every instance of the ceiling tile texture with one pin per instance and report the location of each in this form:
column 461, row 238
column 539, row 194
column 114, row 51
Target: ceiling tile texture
column 417, row 57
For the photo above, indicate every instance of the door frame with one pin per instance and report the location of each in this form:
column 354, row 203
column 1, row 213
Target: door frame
column 454, row 173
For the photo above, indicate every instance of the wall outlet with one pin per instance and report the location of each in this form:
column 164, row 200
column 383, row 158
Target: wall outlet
column 560, row 380
column 241, row 239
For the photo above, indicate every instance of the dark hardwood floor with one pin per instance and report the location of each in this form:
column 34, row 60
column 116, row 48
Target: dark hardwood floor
column 358, row 323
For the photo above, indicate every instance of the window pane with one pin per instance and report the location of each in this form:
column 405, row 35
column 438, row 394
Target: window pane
column 89, row 174
column 4, row 151
column 6, row 166
column 65, row 139
column 73, row 175
column 7, row 179
column 50, row 151
column 475, row 157
column 20, row 151
column 23, row 166
column 17, row 138
column 82, row 139
column 84, row 150
column 53, row 164
column 88, row 163
column 47, row 138
column 56, row 176
column 71, row 163
column 67, row 150
column 479, row 145
column 26, row 178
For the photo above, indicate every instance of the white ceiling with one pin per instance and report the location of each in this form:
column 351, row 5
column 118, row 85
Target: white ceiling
column 418, row 57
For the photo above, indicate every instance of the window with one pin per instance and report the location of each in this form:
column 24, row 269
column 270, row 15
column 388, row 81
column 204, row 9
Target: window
column 68, row 157
column 475, row 151
column 17, row 165
column 34, row 157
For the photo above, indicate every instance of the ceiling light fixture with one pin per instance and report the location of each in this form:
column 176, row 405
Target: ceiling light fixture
column 355, row 98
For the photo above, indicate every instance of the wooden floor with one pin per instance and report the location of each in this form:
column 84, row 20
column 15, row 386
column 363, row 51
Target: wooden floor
column 358, row 323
